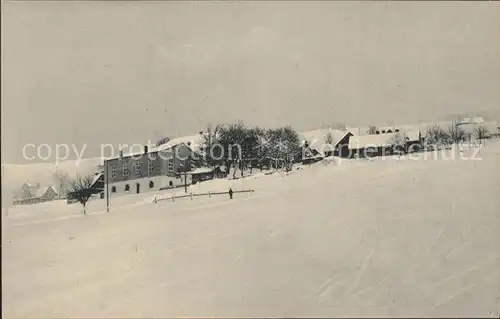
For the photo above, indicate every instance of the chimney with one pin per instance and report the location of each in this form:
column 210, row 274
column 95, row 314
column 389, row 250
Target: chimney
column 145, row 149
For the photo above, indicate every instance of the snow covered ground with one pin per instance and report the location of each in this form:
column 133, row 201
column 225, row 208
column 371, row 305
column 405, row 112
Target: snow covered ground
column 363, row 238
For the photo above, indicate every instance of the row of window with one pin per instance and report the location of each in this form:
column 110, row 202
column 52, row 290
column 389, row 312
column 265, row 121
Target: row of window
column 137, row 168
column 388, row 131
column 127, row 187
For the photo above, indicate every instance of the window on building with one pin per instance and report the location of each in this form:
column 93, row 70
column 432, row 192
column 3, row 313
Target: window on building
column 113, row 189
column 127, row 187
column 125, row 170
column 383, row 131
column 396, row 130
column 151, row 184
column 137, row 167
column 170, row 164
column 150, row 166
column 113, row 171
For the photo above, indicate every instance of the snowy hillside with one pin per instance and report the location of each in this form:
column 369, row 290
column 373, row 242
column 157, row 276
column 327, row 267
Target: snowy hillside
column 16, row 174
column 356, row 238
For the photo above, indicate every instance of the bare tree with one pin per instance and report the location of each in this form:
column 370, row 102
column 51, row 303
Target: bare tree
column 211, row 153
column 436, row 136
column 81, row 190
column 284, row 144
column 481, row 133
column 62, row 181
column 329, row 141
column 372, row 130
column 456, row 133
column 237, row 145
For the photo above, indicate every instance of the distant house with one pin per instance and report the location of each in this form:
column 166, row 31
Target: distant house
column 470, row 129
column 47, row 193
column 316, row 147
column 413, row 139
column 39, row 195
column 362, row 146
column 383, row 144
column 205, row 173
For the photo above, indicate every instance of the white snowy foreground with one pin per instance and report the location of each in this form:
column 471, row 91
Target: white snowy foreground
column 363, row 238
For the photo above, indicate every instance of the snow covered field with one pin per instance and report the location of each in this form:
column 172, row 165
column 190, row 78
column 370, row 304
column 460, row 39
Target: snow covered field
column 363, row 238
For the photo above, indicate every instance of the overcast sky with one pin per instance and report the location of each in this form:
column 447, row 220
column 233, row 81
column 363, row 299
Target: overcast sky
column 111, row 72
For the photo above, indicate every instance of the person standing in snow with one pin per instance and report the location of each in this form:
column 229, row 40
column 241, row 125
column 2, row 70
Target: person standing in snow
column 230, row 193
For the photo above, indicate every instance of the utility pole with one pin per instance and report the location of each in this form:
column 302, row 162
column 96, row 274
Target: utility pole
column 185, row 181
column 184, row 172
column 106, row 173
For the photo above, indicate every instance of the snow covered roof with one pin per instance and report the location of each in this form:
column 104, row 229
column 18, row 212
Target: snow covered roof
column 194, row 142
column 412, row 135
column 357, row 130
column 96, row 177
column 42, row 191
column 202, row 170
column 375, row 140
column 317, row 138
column 473, row 120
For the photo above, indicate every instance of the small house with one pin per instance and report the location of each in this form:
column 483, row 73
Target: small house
column 363, row 146
column 384, row 144
column 37, row 195
column 205, row 173
column 47, row 193
column 325, row 142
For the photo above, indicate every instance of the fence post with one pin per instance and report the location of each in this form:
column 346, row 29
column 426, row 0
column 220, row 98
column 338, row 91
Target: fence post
column 173, row 197
column 191, row 195
column 155, row 201
column 209, row 194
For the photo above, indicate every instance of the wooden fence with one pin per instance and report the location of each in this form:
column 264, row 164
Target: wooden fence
column 173, row 197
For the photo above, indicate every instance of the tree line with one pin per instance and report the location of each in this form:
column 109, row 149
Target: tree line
column 244, row 147
column 453, row 134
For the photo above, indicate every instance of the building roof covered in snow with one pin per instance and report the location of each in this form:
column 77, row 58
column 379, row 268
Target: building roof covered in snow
column 317, row 138
column 411, row 135
column 96, row 178
column 202, row 170
column 44, row 191
column 374, row 140
column 194, row 142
